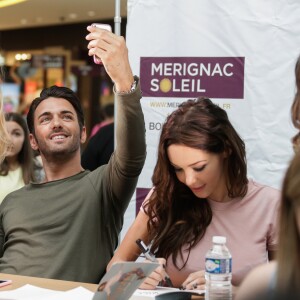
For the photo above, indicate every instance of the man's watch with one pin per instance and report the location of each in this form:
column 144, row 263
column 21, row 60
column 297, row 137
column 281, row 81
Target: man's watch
column 132, row 88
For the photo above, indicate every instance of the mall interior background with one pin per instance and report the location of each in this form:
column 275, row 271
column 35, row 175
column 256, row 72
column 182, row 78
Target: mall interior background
column 34, row 58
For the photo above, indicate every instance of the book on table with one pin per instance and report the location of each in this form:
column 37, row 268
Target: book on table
column 164, row 293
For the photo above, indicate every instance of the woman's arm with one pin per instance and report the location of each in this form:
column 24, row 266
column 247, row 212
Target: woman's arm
column 128, row 249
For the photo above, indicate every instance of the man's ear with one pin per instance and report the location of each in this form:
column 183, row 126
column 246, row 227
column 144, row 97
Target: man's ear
column 83, row 135
column 33, row 142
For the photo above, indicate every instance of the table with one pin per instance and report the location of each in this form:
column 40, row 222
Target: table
column 52, row 284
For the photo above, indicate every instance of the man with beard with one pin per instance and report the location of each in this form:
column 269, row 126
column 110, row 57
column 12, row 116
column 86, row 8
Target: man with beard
column 67, row 227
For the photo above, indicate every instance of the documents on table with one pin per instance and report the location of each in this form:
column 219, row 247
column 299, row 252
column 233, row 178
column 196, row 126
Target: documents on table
column 30, row 292
column 166, row 294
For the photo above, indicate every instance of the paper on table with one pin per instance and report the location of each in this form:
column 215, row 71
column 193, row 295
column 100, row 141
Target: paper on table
column 26, row 291
column 30, row 292
column 78, row 293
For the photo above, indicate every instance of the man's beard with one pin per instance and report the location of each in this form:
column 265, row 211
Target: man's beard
column 63, row 154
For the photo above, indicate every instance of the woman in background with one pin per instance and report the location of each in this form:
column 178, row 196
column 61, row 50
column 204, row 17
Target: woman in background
column 17, row 169
column 3, row 133
column 200, row 190
column 296, row 107
column 281, row 279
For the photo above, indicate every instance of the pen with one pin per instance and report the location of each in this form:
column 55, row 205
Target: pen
column 149, row 255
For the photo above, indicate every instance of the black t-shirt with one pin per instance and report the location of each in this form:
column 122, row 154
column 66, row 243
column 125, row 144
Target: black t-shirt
column 99, row 148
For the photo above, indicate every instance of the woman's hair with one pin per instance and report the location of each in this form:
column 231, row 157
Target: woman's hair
column 3, row 132
column 295, row 109
column 296, row 104
column 176, row 216
column 288, row 273
column 25, row 156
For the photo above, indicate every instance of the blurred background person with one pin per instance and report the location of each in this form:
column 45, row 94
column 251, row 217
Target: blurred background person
column 18, row 167
column 99, row 148
column 296, row 107
column 3, row 132
column 101, row 143
column 108, row 118
column 281, row 279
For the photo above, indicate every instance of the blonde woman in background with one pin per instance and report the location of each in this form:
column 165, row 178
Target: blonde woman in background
column 3, row 133
column 281, row 279
column 296, row 107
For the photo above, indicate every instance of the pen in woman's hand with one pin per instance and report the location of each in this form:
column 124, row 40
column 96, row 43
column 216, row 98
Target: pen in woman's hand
column 149, row 255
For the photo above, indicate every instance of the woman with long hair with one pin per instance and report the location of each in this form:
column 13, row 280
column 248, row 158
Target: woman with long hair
column 3, row 133
column 295, row 110
column 281, row 279
column 17, row 169
column 200, row 190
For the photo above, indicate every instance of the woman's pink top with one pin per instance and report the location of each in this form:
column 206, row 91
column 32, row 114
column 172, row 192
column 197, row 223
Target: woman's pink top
column 248, row 223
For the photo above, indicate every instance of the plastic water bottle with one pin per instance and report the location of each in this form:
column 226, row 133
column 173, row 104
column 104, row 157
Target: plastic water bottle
column 218, row 270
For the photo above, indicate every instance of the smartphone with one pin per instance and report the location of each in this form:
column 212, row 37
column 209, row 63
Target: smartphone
column 97, row 60
column 4, row 282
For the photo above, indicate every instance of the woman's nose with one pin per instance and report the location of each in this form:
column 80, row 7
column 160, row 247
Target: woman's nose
column 190, row 179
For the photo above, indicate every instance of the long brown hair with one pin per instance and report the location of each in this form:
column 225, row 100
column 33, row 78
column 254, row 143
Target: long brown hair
column 25, row 156
column 295, row 110
column 176, row 216
column 288, row 273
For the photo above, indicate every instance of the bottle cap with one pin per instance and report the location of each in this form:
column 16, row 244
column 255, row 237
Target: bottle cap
column 219, row 239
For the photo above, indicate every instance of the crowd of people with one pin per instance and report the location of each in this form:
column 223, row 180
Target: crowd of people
column 200, row 189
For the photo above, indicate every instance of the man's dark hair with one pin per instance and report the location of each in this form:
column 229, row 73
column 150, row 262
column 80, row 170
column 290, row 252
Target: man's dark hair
column 55, row 92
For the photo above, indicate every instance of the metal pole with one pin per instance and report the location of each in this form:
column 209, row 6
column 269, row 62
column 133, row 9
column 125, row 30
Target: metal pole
column 117, row 21
column 117, row 18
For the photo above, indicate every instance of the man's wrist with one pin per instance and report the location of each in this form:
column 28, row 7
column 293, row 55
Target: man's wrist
column 128, row 90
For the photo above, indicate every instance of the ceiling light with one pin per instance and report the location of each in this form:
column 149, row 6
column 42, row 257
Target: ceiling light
column 91, row 13
column 72, row 16
column 4, row 3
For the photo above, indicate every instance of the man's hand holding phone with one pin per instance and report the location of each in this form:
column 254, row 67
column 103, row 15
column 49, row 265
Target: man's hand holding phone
column 113, row 52
column 97, row 60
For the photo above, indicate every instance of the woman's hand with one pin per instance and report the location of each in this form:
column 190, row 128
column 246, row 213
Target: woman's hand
column 155, row 277
column 194, row 281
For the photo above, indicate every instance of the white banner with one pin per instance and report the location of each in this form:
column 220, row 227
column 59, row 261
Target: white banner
column 241, row 54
